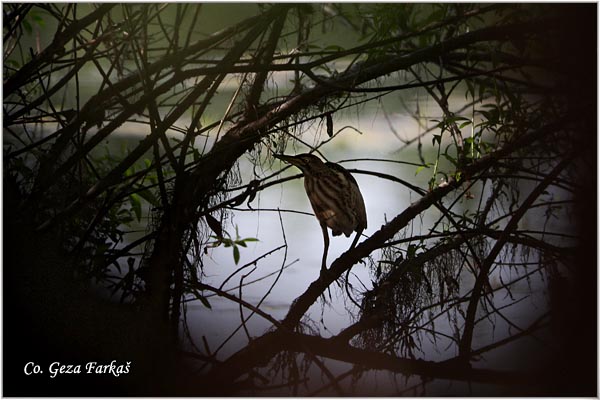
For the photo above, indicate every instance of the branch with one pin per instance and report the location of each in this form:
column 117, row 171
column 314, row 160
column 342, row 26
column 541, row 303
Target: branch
column 262, row 349
column 339, row 351
column 379, row 238
column 465, row 343
column 60, row 39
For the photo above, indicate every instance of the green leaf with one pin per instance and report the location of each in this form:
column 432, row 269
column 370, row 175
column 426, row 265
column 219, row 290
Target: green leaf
column 329, row 125
column 465, row 124
column 450, row 158
column 411, row 251
column 14, row 63
column 204, row 301
column 214, row 225
column 482, row 87
column 27, row 26
column 453, row 119
column 470, row 89
column 38, row 19
column 149, row 197
column 136, row 205
column 420, row 168
column 236, row 254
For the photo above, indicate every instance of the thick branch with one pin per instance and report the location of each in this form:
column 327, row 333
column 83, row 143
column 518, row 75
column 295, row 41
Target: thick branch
column 340, row 351
column 262, row 350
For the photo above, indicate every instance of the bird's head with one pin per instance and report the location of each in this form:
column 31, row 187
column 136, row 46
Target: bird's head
column 306, row 162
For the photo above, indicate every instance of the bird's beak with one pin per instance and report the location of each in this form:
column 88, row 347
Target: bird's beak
column 287, row 159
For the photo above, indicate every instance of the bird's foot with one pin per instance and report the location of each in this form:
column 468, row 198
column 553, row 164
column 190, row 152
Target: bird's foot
column 326, row 274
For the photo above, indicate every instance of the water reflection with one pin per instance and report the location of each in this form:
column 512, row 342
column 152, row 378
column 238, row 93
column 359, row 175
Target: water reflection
column 378, row 133
column 384, row 200
column 272, row 220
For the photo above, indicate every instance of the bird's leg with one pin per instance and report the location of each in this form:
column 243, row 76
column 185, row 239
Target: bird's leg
column 325, row 247
column 324, row 261
column 356, row 239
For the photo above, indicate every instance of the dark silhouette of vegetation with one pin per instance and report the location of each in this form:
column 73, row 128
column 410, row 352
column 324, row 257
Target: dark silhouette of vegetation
column 83, row 283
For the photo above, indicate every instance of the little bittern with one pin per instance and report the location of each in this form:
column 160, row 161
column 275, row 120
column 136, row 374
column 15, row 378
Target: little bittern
column 334, row 196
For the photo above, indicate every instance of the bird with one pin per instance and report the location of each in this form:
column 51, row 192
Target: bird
column 334, row 196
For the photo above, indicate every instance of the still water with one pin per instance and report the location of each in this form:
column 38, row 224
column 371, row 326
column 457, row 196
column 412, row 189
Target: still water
column 373, row 135
column 282, row 215
column 272, row 223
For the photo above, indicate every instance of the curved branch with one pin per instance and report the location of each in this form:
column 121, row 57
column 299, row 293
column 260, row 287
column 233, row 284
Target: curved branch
column 262, row 350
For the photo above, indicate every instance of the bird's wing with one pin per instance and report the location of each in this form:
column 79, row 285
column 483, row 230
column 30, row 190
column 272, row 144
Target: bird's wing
column 359, row 206
column 356, row 199
column 342, row 170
